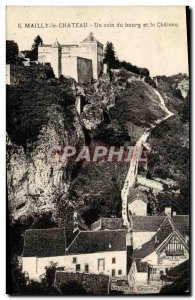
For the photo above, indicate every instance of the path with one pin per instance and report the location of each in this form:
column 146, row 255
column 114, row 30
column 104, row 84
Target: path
column 133, row 167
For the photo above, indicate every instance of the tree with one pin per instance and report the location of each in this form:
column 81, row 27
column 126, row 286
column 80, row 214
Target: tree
column 37, row 41
column 110, row 56
column 50, row 274
column 11, row 52
column 144, row 72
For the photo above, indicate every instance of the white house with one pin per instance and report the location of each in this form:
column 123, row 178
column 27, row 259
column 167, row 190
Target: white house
column 144, row 228
column 165, row 250
column 137, row 203
column 95, row 252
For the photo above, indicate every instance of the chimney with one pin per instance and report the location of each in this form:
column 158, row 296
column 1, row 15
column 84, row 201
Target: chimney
column 168, row 211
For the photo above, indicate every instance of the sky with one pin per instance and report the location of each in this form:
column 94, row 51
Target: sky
column 163, row 50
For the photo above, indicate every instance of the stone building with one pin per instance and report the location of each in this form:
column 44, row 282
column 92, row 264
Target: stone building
column 82, row 61
column 137, row 203
column 95, row 252
column 167, row 248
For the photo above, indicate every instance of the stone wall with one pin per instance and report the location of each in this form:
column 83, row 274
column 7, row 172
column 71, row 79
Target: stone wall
column 78, row 68
column 85, row 70
column 18, row 74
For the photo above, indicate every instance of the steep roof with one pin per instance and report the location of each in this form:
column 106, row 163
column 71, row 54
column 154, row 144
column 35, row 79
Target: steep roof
column 135, row 194
column 108, row 223
column 181, row 222
column 146, row 223
column 91, row 38
column 56, row 44
column 98, row 241
column 162, row 234
column 44, row 242
column 93, row 284
column 176, row 271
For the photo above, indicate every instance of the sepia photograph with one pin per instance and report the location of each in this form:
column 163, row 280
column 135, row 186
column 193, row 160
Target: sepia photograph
column 98, row 150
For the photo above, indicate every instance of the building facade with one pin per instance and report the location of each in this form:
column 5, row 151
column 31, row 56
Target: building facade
column 64, row 58
column 91, row 252
column 165, row 250
column 137, row 203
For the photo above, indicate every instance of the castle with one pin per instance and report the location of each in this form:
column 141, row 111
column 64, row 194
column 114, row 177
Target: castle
column 83, row 61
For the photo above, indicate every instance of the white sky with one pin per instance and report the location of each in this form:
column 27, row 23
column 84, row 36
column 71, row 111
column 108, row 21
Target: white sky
column 161, row 50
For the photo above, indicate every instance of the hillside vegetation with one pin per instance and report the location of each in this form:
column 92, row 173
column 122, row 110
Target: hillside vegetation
column 28, row 105
column 169, row 157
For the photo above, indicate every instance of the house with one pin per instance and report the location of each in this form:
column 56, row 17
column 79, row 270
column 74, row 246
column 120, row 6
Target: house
column 137, row 203
column 81, row 283
column 165, row 250
column 42, row 246
column 94, row 252
column 98, row 252
column 183, row 86
column 144, row 228
column 82, row 61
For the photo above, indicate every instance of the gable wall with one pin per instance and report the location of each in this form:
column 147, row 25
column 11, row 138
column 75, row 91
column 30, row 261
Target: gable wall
column 138, row 207
column 140, row 238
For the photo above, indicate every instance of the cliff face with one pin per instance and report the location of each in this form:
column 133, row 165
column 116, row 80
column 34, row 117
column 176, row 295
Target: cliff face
column 33, row 182
column 43, row 115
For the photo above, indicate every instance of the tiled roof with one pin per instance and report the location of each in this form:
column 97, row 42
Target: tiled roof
column 135, row 194
column 93, row 284
column 56, row 44
column 181, row 222
column 108, row 223
column 166, row 228
column 147, row 248
column 176, row 271
column 44, row 242
column 146, row 223
column 91, row 38
column 98, row 241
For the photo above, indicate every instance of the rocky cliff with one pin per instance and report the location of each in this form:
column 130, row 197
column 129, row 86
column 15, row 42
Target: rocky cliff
column 42, row 113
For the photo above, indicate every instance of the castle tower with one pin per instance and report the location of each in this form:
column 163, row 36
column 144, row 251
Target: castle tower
column 94, row 51
column 56, row 58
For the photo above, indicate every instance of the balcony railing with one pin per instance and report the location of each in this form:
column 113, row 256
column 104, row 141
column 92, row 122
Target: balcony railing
column 178, row 252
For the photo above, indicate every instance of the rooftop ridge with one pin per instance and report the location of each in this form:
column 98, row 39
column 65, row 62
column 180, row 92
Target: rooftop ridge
column 37, row 229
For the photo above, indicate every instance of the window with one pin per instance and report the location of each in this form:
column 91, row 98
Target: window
column 113, row 272
column 78, row 267
column 101, row 264
column 113, row 260
column 74, row 260
column 154, row 271
column 86, row 268
column 119, row 272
